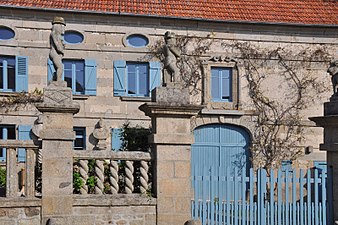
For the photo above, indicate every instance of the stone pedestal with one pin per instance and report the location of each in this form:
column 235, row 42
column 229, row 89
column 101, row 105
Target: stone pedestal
column 330, row 124
column 171, row 140
column 57, row 157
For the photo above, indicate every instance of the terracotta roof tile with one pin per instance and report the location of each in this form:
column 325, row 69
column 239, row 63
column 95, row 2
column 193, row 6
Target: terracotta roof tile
column 272, row 11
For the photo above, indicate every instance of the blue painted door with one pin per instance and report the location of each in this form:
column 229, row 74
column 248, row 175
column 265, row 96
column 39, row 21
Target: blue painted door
column 220, row 145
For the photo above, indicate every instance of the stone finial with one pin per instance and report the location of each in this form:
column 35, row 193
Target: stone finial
column 37, row 127
column 101, row 133
column 57, row 48
column 171, row 53
column 333, row 71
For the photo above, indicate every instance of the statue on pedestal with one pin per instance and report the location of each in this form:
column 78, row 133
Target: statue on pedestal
column 101, row 134
column 172, row 54
column 57, row 46
column 333, row 71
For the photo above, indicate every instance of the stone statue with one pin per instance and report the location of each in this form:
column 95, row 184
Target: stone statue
column 57, row 46
column 101, row 133
column 38, row 126
column 172, row 54
column 333, row 71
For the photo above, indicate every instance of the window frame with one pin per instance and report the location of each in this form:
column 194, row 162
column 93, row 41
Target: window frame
column 207, row 98
column 80, row 136
column 74, row 74
column 5, row 127
column 5, row 73
column 138, row 81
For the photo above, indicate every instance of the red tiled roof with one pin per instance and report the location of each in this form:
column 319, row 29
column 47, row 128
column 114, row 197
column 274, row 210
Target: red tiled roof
column 323, row 12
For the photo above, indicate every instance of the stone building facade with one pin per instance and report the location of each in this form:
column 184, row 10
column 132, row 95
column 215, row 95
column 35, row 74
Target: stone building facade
column 103, row 50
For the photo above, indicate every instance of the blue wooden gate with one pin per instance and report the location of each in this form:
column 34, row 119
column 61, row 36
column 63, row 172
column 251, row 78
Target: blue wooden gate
column 296, row 197
column 220, row 145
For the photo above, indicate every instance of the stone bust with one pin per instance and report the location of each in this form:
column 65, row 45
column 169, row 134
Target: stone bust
column 57, row 46
column 333, row 71
column 171, row 54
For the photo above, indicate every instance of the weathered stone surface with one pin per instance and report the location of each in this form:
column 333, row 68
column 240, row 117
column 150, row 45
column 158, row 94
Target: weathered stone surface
column 171, row 95
column 32, row 211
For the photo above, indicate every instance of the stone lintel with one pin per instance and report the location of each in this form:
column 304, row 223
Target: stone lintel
column 70, row 108
column 331, row 147
column 57, row 134
column 155, row 109
column 171, row 139
column 325, row 121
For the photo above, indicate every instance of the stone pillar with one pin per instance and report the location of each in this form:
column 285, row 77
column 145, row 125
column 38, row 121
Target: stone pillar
column 330, row 124
column 171, row 139
column 57, row 157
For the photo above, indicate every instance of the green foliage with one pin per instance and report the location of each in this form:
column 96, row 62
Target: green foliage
column 91, row 181
column 2, row 177
column 77, row 182
column 134, row 138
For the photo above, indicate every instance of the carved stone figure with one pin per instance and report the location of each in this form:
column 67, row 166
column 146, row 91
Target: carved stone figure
column 172, row 54
column 37, row 127
column 57, row 46
column 101, row 133
column 333, row 71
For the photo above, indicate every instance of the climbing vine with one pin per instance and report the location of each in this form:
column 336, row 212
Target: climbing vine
column 281, row 88
column 192, row 50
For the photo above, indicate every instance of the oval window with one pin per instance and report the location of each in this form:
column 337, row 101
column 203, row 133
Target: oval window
column 6, row 33
column 73, row 37
column 137, row 40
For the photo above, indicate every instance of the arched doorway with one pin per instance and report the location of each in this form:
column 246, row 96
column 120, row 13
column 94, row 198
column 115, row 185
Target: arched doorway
column 220, row 145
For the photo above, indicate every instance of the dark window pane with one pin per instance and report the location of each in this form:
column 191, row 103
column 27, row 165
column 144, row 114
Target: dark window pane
column 73, row 37
column 11, row 78
column 79, row 142
column 80, row 81
column 68, row 77
column 11, row 132
column 1, row 76
column 6, row 33
column 67, row 65
column 137, row 40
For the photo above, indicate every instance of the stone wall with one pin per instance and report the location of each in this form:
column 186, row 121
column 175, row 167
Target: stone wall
column 20, row 212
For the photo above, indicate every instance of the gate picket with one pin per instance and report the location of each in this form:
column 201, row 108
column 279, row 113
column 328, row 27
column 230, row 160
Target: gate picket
column 220, row 197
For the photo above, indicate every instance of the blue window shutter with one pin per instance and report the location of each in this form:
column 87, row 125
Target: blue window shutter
column 50, row 70
column 90, row 77
column 21, row 74
column 154, row 75
column 116, row 142
column 119, row 78
column 24, row 135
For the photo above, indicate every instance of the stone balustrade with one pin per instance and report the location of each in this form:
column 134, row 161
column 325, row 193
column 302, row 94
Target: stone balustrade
column 20, row 176
column 108, row 172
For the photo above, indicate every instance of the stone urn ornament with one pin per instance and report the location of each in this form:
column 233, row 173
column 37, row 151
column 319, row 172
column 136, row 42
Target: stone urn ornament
column 101, row 134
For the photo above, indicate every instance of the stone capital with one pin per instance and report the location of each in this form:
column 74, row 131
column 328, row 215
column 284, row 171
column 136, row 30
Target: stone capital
column 155, row 109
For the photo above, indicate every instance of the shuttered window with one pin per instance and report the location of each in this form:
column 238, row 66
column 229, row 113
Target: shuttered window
column 80, row 75
column 13, row 73
column 135, row 78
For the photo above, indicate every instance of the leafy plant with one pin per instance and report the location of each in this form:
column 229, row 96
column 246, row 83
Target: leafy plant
column 2, row 177
column 134, row 138
column 77, row 182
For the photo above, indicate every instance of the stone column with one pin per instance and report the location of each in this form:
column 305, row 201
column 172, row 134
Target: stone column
column 172, row 138
column 330, row 124
column 57, row 137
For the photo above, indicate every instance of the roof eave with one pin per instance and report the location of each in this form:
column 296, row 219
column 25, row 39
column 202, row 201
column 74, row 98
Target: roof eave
column 172, row 17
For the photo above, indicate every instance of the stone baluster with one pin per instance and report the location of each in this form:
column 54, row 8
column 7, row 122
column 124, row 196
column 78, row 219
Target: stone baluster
column 11, row 173
column 83, row 169
column 129, row 179
column 114, row 177
column 30, row 173
column 144, row 178
column 99, row 174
